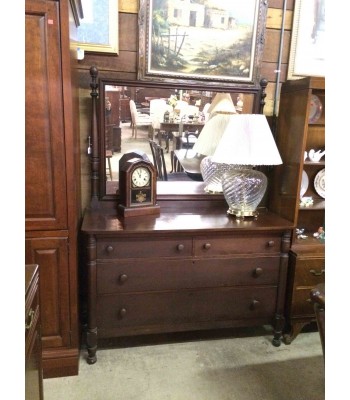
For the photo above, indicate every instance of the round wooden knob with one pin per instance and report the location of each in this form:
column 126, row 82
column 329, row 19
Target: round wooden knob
column 271, row 243
column 122, row 312
column 180, row 247
column 109, row 249
column 254, row 304
column 123, row 278
column 258, row 271
column 206, row 246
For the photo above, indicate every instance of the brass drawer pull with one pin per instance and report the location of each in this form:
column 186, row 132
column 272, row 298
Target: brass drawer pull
column 123, row 278
column 109, row 249
column 270, row 243
column 31, row 317
column 180, row 247
column 315, row 273
column 207, row 246
column 257, row 271
column 122, row 313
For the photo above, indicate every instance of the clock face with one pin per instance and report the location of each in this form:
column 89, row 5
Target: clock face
column 141, row 177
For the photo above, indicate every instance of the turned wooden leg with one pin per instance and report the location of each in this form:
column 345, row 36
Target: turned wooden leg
column 278, row 330
column 91, row 341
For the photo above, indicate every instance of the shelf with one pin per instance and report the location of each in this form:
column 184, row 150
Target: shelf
column 319, row 204
column 313, row 163
column 309, row 245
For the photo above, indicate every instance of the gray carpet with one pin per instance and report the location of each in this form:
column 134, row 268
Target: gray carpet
column 225, row 368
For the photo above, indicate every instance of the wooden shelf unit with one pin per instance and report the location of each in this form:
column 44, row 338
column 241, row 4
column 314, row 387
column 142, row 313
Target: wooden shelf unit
column 295, row 135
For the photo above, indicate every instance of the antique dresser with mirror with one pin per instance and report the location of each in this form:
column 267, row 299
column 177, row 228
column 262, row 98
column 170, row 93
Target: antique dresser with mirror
column 193, row 267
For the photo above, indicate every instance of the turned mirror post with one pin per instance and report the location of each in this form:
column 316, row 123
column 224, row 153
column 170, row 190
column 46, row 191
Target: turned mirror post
column 94, row 156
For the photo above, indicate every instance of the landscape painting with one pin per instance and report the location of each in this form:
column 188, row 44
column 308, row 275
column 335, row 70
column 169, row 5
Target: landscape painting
column 201, row 39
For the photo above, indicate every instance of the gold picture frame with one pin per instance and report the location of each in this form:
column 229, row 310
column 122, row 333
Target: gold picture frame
column 194, row 41
column 307, row 50
column 98, row 30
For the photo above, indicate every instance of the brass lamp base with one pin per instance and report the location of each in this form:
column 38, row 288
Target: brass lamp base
column 239, row 214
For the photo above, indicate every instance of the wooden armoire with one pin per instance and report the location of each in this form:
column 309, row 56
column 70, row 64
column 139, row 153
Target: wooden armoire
column 52, row 186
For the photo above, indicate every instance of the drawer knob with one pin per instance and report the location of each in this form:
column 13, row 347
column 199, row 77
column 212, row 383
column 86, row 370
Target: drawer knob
column 258, row 271
column 206, row 246
column 122, row 312
column 270, row 243
column 109, row 249
column 254, row 304
column 317, row 273
column 123, row 278
column 180, row 246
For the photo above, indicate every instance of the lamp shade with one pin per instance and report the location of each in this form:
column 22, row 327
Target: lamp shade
column 247, row 140
column 222, row 103
column 211, row 134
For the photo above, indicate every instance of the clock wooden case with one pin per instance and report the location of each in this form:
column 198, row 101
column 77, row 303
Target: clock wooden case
column 137, row 188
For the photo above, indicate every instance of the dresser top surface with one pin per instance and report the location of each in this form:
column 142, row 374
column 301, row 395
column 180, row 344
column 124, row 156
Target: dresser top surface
column 107, row 223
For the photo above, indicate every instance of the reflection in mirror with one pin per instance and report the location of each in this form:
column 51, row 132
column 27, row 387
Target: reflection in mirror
column 172, row 117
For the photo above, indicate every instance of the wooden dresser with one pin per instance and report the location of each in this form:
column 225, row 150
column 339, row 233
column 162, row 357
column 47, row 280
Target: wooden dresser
column 33, row 364
column 183, row 271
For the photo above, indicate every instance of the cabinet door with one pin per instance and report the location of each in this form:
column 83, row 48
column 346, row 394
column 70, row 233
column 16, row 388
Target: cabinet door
column 51, row 254
column 45, row 186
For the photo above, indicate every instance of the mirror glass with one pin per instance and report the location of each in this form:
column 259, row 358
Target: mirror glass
column 133, row 113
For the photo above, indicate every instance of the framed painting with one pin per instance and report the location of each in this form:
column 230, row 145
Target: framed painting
column 98, row 30
column 307, row 51
column 207, row 40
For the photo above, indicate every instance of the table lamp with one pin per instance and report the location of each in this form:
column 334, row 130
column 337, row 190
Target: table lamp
column 220, row 112
column 246, row 142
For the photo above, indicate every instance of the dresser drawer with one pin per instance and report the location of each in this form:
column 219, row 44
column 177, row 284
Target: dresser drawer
column 143, row 248
column 302, row 305
column 309, row 271
column 187, row 306
column 31, row 318
column 130, row 275
column 240, row 244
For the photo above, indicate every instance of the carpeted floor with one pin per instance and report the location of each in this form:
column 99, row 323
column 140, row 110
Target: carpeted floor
column 239, row 367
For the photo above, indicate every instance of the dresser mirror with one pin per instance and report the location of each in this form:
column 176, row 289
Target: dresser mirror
column 112, row 133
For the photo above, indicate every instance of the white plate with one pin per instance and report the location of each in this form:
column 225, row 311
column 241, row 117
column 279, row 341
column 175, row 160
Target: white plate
column 320, row 183
column 304, row 184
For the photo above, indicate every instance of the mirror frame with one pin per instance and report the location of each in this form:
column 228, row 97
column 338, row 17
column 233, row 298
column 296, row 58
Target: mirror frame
column 97, row 156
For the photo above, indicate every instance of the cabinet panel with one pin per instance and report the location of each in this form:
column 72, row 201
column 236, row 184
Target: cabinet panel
column 45, row 180
column 51, row 254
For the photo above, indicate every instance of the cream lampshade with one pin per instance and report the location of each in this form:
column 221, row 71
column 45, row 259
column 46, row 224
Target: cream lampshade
column 246, row 142
column 220, row 112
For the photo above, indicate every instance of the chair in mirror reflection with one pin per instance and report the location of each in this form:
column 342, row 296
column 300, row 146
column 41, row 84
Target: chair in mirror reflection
column 157, row 108
column 139, row 119
column 159, row 163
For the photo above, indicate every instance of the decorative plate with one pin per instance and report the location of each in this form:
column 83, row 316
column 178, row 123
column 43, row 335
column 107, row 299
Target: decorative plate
column 320, row 183
column 315, row 109
column 304, row 184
